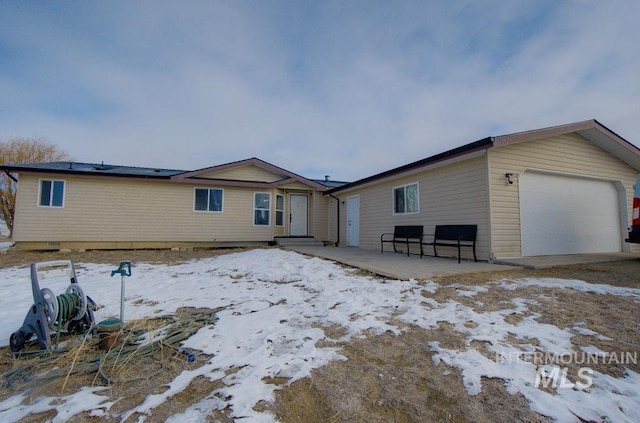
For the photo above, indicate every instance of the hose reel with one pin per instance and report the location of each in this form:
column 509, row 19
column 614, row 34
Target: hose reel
column 72, row 305
column 71, row 311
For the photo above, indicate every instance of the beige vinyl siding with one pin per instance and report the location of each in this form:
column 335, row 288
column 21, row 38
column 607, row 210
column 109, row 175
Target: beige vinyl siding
column 245, row 173
column 119, row 209
column 296, row 186
column 316, row 212
column 280, row 230
column 450, row 194
column 332, row 219
column 319, row 227
column 567, row 154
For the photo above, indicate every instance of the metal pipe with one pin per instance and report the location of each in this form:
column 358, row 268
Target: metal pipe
column 122, row 297
column 338, row 219
column 13, row 178
column 123, row 270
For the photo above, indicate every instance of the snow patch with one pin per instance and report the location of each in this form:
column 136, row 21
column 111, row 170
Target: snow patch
column 276, row 306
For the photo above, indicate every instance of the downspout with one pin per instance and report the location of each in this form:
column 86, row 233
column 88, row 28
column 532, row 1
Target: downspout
column 13, row 178
column 338, row 218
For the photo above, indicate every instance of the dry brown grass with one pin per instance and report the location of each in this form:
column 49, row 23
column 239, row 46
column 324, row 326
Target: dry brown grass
column 127, row 380
column 12, row 257
column 393, row 378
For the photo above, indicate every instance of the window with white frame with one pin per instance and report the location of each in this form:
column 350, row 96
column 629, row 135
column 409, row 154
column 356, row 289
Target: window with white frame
column 405, row 199
column 208, row 200
column 279, row 210
column 261, row 208
column 51, row 193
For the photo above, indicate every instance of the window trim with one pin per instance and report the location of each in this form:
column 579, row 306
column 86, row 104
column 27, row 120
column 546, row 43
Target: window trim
column 253, row 217
column 279, row 210
column 51, row 194
column 393, row 199
column 208, row 194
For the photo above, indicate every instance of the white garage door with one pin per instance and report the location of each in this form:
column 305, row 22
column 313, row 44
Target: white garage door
column 568, row 215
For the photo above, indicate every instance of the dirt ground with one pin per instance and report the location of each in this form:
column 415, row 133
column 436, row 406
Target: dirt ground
column 391, row 377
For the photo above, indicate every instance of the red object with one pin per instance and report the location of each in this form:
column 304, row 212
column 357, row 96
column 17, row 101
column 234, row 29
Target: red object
column 636, row 212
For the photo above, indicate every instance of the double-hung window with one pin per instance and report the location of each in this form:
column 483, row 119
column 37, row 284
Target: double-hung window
column 405, row 199
column 208, row 199
column 261, row 208
column 279, row 210
column 51, row 193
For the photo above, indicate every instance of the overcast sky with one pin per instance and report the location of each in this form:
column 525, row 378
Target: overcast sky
column 345, row 88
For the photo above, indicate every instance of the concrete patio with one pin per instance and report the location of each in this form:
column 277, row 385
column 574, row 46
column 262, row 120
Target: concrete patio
column 541, row 262
column 399, row 266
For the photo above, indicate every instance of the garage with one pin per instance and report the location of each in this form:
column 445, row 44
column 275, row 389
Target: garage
column 562, row 214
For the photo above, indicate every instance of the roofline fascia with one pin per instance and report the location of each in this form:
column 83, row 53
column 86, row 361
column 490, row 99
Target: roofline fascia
column 81, row 173
column 563, row 129
column 451, row 156
column 607, row 129
column 617, row 145
column 238, row 183
column 619, row 139
column 187, row 177
column 518, row 137
column 168, row 178
column 192, row 181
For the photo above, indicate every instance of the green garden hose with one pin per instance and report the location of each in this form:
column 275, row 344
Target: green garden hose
column 68, row 306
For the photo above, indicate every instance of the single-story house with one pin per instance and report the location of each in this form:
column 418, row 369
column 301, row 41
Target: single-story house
column 562, row 190
column 69, row 205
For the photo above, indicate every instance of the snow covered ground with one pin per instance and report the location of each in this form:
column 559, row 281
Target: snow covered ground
column 4, row 232
column 277, row 304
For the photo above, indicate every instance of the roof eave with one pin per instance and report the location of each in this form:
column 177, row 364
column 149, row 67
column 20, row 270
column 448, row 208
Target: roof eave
column 190, row 177
column 456, row 153
column 235, row 183
column 592, row 130
column 24, row 169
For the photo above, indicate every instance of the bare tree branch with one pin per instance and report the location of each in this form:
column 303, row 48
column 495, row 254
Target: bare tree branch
column 20, row 150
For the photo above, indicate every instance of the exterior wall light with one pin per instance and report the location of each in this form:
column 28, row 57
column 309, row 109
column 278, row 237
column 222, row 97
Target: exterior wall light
column 509, row 176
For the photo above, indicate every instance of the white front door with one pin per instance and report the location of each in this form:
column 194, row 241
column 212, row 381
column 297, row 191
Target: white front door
column 562, row 214
column 353, row 221
column 298, row 217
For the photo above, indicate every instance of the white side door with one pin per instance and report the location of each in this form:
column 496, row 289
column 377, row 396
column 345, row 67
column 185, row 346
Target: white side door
column 353, row 221
column 299, row 215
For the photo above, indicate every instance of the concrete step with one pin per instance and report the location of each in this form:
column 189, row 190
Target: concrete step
column 285, row 241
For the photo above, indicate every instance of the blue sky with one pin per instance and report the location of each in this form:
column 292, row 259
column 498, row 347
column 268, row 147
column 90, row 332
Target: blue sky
column 345, row 88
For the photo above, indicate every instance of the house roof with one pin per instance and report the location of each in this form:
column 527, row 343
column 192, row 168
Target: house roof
column 329, row 183
column 175, row 175
column 93, row 169
column 286, row 177
column 462, row 151
column 592, row 130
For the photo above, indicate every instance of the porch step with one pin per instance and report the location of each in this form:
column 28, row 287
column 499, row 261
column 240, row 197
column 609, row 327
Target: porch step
column 285, row 241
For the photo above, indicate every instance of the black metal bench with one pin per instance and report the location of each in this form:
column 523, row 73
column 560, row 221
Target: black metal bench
column 406, row 235
column 458, row 236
